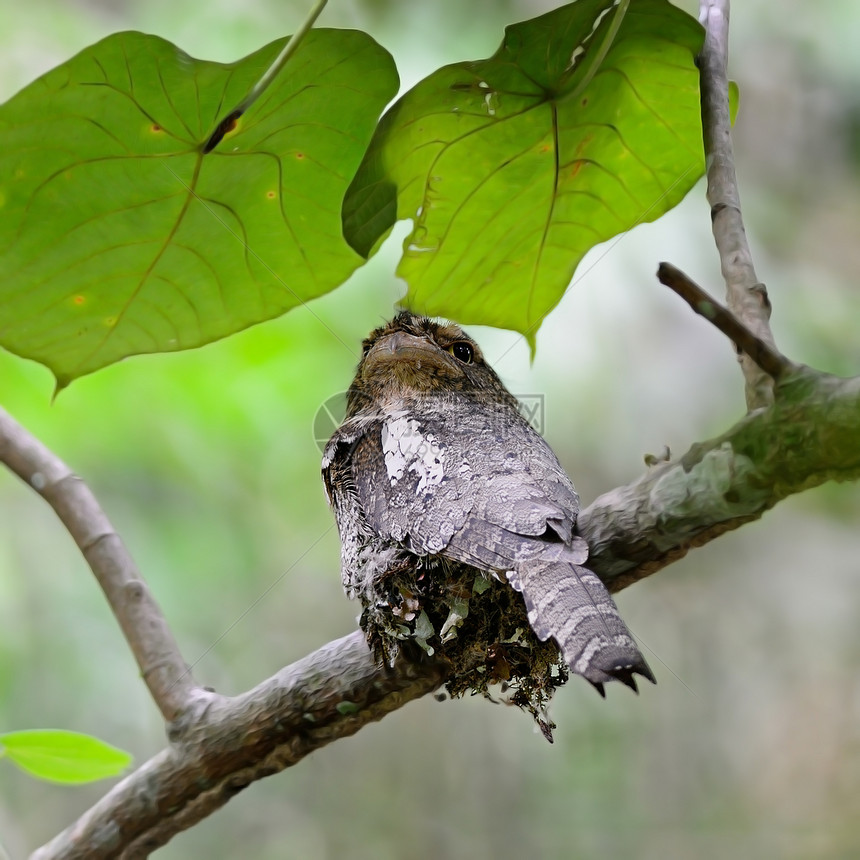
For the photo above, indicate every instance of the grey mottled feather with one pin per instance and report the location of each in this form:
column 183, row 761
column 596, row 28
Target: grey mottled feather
column 460, row 475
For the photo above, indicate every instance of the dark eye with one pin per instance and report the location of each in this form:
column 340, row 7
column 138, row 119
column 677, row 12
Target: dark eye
column 462, row 351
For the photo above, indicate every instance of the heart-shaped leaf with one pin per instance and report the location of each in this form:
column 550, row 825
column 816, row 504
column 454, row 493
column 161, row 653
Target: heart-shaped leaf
column 118, row 235
column 63, row 756
column 514, row 167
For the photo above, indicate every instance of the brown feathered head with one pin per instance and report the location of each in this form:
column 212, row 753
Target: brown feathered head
column 412, row 357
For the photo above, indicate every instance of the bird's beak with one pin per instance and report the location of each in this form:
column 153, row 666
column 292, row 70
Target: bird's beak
column 413, row 360
column 405, row 345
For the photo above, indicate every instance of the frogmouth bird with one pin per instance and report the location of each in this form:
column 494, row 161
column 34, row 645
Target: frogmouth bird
column 449, row 507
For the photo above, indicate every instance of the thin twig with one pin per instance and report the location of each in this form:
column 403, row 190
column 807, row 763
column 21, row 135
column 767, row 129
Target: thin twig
column 228, row 123
column 765, row 356
column 746, row 296
column 145, row 629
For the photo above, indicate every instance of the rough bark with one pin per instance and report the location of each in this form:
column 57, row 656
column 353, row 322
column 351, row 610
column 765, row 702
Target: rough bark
column 746, row 296
column 223, row 744
column 143, row 625
column 801, row 432
column 810, row 435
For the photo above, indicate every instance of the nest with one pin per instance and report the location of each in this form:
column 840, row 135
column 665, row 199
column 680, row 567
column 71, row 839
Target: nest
column 478, row 625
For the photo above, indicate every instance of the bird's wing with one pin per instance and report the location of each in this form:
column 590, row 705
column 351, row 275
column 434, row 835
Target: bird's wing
column 503, row 505
column 474, row 487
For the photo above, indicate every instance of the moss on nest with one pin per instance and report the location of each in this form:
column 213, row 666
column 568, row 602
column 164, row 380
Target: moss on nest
column 478, row 625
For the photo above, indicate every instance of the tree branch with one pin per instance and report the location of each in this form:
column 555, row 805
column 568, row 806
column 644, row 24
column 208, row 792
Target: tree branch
column 807, row 437
column 804, row 436
column 144, row 627
column 746, row 296
column 767, row 357
column 328, row 695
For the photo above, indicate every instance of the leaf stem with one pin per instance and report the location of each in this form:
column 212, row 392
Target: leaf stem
column 289, row 49
column 596, row 60
column 227, row 124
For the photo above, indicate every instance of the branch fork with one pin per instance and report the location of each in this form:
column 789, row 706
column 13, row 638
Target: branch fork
column 218, row 744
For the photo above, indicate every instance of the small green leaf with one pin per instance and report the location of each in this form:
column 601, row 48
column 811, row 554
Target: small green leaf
column 514, row 167
column 346, row 708
column 119, row 235
column 734, row 100
column 62, row 756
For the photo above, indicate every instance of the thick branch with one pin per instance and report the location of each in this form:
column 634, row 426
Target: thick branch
column 808, row 437
column 330, row 694
column 746, row 297
column 139, row 616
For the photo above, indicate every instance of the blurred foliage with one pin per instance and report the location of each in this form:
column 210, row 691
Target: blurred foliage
column 749, row 746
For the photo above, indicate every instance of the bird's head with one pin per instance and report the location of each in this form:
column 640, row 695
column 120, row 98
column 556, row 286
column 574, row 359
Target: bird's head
column 413, row 357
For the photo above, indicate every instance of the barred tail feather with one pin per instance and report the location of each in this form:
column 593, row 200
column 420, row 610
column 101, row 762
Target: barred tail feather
column 570, row 604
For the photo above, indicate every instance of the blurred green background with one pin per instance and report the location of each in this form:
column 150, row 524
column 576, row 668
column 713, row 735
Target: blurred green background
column 749, row 747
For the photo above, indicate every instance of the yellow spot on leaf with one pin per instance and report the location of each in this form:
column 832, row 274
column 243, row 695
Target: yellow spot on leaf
column 79, row 300
column 271, row 195
column 233, row 126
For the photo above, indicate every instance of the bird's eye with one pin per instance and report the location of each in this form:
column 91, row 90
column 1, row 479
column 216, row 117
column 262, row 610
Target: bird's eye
column 462, row 351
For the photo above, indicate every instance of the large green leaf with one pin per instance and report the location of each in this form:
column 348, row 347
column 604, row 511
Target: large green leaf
column 119, row 236
column 63, row 756
column 515, row 166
